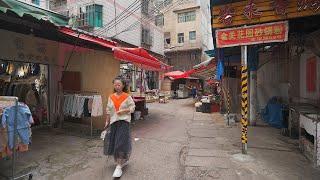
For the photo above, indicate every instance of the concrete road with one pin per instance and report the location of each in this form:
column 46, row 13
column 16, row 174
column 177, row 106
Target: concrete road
column 172, row 143
column 159, row 146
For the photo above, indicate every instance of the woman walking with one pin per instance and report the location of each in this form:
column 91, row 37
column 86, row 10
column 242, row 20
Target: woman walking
column 119, row 108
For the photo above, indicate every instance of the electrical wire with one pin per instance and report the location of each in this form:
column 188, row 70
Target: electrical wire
column 131, row 8
column 122, row 13
column 106, row 28
column 173, row 5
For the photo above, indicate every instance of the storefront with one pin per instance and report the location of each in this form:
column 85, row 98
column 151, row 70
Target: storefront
column 27, row 68
column 279, row 63
column 43, row 61
column 28, row 82
column 142, row 72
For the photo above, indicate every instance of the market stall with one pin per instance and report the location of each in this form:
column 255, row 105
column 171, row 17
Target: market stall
column 28, row 82
column 209, row 91
column 139, row 72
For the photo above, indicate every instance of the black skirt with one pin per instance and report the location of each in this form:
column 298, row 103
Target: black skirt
column 117, row 142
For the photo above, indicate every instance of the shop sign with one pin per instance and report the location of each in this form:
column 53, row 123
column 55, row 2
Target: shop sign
column 248, row 35
column 262, row 11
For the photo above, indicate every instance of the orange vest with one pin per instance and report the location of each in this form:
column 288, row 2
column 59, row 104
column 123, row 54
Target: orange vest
column 118, row 100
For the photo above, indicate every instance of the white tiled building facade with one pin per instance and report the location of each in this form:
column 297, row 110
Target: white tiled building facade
column 132, row 25
column 187, row 28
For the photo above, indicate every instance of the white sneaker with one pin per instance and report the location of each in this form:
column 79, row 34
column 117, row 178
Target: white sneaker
column 117, row 172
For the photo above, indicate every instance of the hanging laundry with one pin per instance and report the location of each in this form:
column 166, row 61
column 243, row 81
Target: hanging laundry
column 86, row 111
column 97, row 109
column 76, row 105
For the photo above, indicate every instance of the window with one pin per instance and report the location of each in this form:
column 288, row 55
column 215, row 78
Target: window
column 91, row 16
column 180, row 38
column 192, row 35
column 168, row 41
column 186, row 16
column 159, row 20
column 94, row 15
column 145, row 7
column 311, row 75
column 36, row 2
column 146, row 37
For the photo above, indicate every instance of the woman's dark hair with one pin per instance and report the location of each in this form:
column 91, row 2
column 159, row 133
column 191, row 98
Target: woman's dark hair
column 123, row 81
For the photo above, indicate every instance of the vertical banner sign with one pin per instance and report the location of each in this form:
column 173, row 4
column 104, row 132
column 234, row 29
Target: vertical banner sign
column 249, row 35
column 244, row 106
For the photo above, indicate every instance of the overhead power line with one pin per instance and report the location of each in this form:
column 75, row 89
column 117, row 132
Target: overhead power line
column 124, row 15
column 133, row 25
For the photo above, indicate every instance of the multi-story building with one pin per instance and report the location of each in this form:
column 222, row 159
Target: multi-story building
column 187, row 32
column 127, row 21
column 131, row 23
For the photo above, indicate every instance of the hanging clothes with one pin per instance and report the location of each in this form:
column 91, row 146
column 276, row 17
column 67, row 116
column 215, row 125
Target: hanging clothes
column 86, row 111
column 76, row 105
column 23, row 123
column 97, row 109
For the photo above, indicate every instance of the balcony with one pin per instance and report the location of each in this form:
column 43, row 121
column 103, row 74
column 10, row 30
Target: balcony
column 187, row 45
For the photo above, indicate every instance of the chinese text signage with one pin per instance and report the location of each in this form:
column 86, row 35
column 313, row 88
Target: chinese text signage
column 261, row 11
column 248, row 35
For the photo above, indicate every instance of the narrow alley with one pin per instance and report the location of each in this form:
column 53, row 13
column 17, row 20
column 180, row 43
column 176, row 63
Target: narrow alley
column 160, row 89
column 173, row 142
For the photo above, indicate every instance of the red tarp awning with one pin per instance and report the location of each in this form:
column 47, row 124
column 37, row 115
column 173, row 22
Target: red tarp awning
column 140, row 57
column 87, row 37
column 174, row 74
column 137, row 56
column 198, row 69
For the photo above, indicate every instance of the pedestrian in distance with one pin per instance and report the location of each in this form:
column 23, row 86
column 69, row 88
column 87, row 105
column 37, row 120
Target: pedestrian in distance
column 118, row 142
column 194, row 92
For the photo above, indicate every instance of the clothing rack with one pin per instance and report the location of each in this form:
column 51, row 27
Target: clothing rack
column 14, row 102
column 84, row 93
column 81, row 92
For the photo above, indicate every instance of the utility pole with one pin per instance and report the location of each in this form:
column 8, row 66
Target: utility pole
column 244, row 99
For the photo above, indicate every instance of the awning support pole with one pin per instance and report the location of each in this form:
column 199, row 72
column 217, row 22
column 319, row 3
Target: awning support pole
column 244, row 100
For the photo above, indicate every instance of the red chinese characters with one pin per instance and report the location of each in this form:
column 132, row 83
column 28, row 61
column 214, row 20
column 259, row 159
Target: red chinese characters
column 226, row 15
column 251, row 11
column 257, row 34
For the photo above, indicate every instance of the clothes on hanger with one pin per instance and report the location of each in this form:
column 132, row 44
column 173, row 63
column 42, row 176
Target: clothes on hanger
column 7, row 129
column 77, row 105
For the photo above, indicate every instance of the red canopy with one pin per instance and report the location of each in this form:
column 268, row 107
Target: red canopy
column 137, row 56
column 140, row 57
column 176, row 74
column 86, row 36
column 196, row 71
